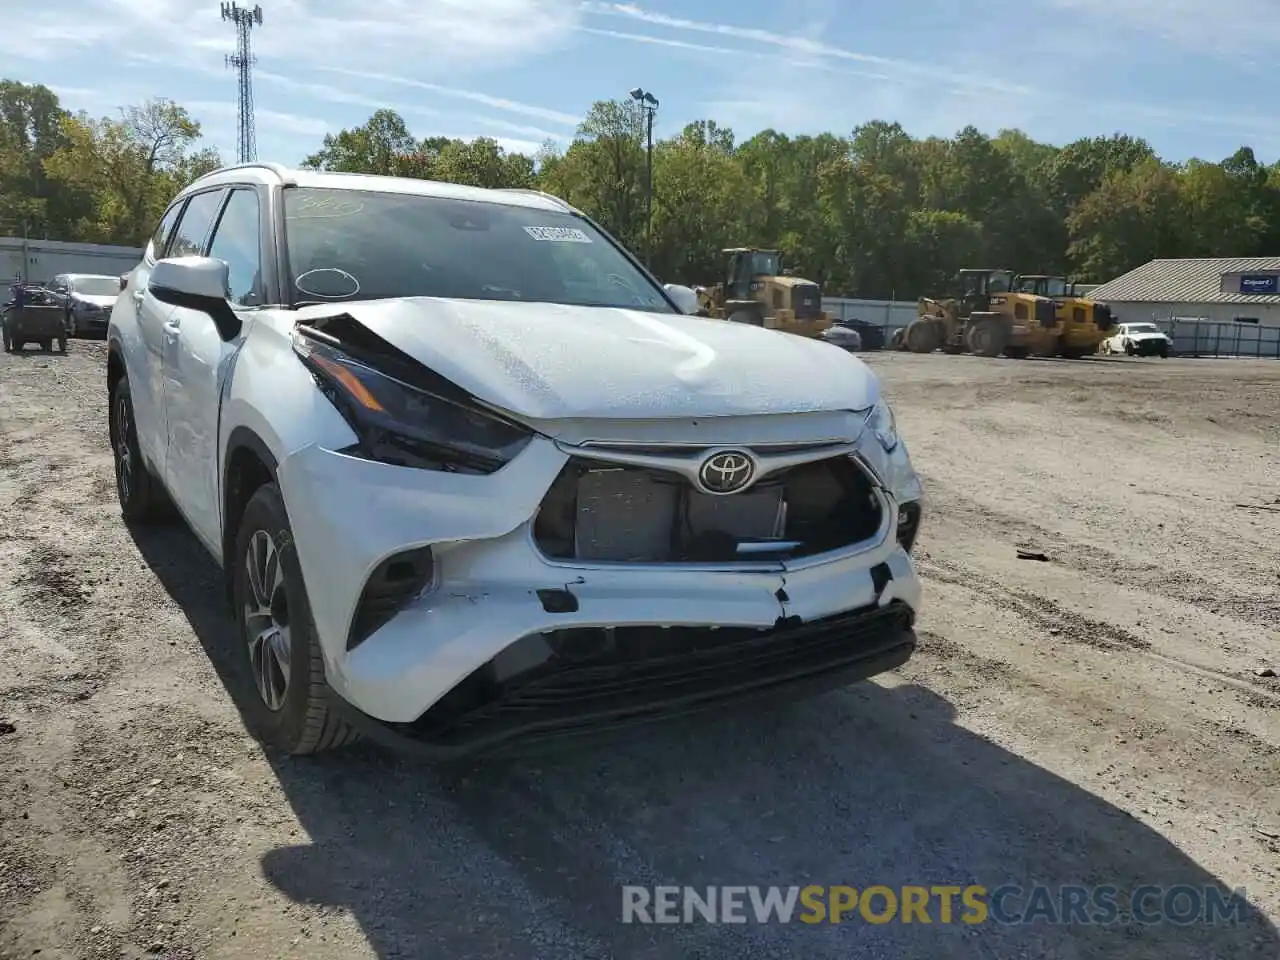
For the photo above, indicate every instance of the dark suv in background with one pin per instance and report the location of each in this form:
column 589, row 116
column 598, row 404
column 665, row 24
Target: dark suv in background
column 87, row 299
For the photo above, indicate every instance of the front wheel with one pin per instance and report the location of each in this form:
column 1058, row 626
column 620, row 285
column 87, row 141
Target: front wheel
column 62, row 344
column 286, row 700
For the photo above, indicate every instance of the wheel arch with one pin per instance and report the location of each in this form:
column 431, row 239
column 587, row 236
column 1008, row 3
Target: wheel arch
column 115, row 365
column 248, row 464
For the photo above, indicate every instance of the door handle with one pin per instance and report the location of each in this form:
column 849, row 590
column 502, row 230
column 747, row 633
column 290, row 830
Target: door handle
column 171, row 327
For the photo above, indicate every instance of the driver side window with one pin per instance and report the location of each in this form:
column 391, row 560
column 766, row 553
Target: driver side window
column 237, row 243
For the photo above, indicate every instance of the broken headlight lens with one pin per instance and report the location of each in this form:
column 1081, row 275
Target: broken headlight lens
column 401, row 424
column 881, row 421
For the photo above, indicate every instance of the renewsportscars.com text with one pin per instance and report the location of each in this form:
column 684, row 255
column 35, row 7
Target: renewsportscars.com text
column 943, row 904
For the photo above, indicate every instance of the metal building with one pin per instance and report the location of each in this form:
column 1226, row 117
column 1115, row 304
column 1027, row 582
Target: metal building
column 38, row 261
column 1245, row 290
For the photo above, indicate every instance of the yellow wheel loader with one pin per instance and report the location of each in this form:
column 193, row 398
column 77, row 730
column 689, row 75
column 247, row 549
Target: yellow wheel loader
column 757, row 290
column 1085, row 323
column 987, row 317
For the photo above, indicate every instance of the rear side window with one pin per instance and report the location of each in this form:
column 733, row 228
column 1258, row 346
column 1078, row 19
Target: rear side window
column 156, row 248
column 193, row 228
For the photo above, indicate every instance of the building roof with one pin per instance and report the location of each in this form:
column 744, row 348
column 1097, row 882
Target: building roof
column 1187, row 281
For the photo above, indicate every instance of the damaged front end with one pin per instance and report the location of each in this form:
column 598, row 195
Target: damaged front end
column 476, row 584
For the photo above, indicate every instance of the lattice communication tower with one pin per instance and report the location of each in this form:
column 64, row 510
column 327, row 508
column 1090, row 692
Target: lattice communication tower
column 243, row 60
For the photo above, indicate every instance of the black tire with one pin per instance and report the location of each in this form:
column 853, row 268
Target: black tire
column 986, row 338
column 62, row 344
column 1129, row 349
column 304, row 721
column 142, row 499
column 922, row 336
column 46, row 346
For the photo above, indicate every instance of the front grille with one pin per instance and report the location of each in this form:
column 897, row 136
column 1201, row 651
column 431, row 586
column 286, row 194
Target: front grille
column 600, row 512
column 587, row 678
column 1046, row 313
column 806, row 300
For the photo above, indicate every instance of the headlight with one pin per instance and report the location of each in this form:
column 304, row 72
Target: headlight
column 402, row 424
column 881, row 421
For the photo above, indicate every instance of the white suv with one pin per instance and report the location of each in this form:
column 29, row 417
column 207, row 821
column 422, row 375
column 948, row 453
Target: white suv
column 476, row 478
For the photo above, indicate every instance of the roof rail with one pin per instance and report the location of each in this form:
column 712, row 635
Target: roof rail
column 539, row 193
column 279, row 169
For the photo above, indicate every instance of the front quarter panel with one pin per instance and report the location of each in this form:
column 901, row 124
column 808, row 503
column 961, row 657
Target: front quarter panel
column 273, row 396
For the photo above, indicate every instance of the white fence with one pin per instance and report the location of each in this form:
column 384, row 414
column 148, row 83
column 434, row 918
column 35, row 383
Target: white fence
column 38, row 261
column 890, row 314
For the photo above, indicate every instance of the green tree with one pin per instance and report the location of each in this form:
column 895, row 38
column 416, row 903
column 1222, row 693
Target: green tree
column 130, row 168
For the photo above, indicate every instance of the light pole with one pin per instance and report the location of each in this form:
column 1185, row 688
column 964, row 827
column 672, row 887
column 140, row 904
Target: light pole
column 648, row 106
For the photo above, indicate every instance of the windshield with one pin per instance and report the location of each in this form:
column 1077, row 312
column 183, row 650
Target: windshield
column 766, row 264
column 96, row 286
column 1051, row 287
column 362, row 245
column 1143, row 328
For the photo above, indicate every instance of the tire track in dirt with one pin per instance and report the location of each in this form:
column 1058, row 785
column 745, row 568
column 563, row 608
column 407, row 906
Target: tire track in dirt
column 1103, row 565
column 1077, row 628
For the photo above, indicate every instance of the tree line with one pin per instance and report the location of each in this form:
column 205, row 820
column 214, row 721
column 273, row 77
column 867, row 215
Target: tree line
column 876, row 213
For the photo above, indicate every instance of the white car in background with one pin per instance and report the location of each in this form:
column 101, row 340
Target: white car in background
column 475, row 478
column 1137, row 340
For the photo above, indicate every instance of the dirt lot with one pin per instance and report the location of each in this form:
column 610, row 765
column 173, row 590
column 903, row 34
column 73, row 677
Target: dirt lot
column 1093, row 719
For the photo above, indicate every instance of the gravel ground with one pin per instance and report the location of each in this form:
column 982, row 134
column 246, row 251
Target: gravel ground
column 1099, row 718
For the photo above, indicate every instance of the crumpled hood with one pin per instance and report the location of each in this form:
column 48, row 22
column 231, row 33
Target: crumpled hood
column 97, row 299
column 1147, row 335
column 553, row 362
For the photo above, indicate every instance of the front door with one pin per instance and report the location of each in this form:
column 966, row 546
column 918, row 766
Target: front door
column 197, row 362
column 147, row 377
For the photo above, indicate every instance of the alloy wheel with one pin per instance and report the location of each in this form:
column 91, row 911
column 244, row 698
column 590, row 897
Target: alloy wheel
column 266, row 619
column 124, row 449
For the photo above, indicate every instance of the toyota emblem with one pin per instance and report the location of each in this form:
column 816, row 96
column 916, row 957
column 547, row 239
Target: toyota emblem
column 727, row 472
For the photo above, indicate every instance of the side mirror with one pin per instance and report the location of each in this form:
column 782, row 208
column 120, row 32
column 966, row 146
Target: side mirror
column 685, row 298
column 196, row 283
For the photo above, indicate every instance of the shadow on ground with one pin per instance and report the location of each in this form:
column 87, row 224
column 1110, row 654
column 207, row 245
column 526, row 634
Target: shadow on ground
column 866, row 786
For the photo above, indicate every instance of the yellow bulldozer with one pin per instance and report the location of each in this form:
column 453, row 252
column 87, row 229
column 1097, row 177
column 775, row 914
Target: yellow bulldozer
column 987, row 317
column 1084, row 323
column 759, row 291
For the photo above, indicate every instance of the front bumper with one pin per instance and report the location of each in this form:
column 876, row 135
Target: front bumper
column 92, row 322
column 1150, row 347
column 492, row 590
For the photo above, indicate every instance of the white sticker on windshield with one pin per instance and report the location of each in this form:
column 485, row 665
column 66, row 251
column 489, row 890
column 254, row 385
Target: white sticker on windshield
column 558, row 234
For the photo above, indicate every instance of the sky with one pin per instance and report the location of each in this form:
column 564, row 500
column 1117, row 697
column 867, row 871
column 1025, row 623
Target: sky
column 1195, row 77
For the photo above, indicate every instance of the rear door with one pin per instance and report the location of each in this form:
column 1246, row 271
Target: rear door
column 197, row 361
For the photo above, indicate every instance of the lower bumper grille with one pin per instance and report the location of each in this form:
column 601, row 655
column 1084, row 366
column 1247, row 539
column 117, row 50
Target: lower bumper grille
column 593, row 679
column 606, row 513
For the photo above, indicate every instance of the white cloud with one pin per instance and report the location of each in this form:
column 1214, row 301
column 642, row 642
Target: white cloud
column 270, row 120
column 436, row 36
column 499, row 103
column 1229, row 27
column 738, row 52
column 805, row 46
